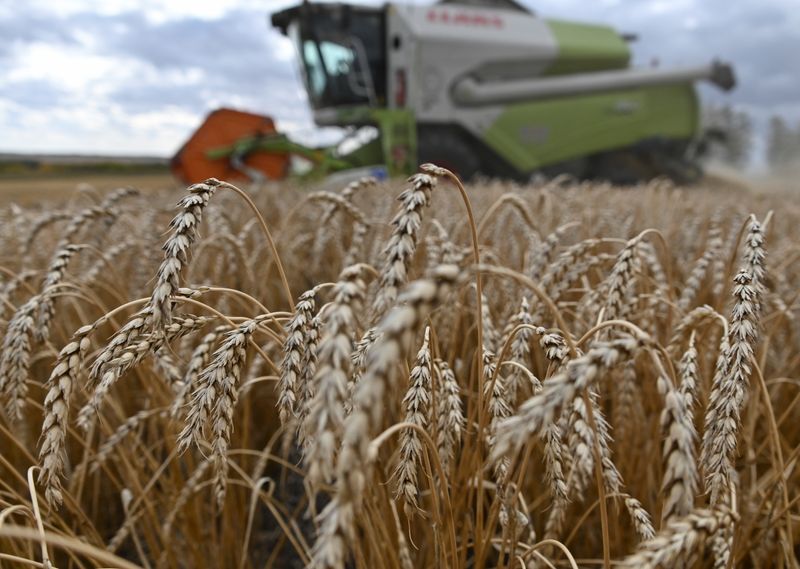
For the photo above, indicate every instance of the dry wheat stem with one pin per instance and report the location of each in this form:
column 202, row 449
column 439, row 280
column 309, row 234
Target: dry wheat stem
column 517, row 204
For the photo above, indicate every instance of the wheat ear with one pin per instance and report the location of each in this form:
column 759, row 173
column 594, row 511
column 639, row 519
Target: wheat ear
column 729, row 390
column 126, row 428
column 293, row 349
column 402, row 244
column 215, row 398
column 680, row 470
column 131, row 356
column 122, row 338
column 520, row 350
column 358, row 359
column 306, row 386
column 695, row 279
column 178, row 247
column 198, row 361
column 52, row 450
column 450, row 420
column 682, row 542
column 54, row 275
column 326, row 414
column 353, row 466
column 15, row 361
column 416, row 403
column 561, row 389
column 621, row 280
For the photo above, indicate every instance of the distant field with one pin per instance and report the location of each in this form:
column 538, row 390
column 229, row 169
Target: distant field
column 28, row 190
column 29, row 178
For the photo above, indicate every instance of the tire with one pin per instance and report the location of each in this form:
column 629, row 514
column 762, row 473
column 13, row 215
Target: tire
column 444, row 147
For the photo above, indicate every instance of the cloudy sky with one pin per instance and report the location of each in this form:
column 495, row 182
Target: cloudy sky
column 137, row 76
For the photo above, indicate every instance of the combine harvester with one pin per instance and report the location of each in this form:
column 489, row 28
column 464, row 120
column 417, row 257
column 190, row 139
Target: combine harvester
column 481, row 87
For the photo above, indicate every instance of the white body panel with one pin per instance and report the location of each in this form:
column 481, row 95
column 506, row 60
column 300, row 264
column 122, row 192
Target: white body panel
column 438, row 45
column 470, row 92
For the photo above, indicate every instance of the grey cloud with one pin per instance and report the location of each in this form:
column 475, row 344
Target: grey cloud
column 235, row 57
column 231, row 44
column 235, row 50
column 36, row 93
column 759, row 38
column 28, row 27
column 140, row 98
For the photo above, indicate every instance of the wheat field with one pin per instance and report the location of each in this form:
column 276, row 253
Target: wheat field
column 401, row 375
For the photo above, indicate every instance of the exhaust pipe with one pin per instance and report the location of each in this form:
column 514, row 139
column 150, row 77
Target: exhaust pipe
column 470, row 93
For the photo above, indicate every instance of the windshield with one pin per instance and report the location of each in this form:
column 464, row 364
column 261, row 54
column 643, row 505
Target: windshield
column 327, row 64
column 341, row 66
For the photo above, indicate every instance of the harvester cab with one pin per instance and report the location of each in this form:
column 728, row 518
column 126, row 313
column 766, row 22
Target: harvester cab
column 488, row 87
column 343, row 53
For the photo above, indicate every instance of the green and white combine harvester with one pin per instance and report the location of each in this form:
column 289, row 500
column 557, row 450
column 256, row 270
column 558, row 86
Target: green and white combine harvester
column 486, row 87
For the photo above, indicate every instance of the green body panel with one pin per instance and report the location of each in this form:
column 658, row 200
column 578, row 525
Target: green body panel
column 398, row 129
column 368, row 154
column 354, row 115
column 396, row 146
column 586, row 47
column 541, row 133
